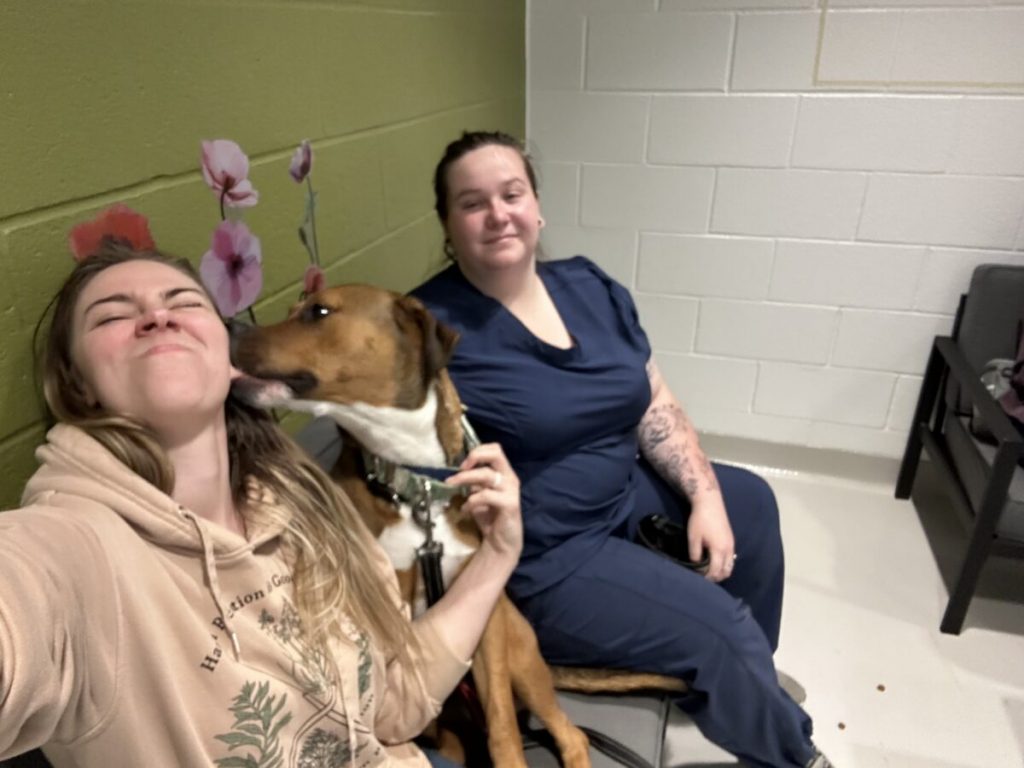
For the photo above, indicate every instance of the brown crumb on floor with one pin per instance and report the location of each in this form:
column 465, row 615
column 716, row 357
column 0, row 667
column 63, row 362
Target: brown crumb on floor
column 881, row 687
column 842, row 726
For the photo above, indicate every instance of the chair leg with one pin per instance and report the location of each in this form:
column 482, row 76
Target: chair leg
column 925, row 406
column 981, row 540
column 966, row 582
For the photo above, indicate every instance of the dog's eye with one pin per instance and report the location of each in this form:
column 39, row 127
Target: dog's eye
column 315, row 312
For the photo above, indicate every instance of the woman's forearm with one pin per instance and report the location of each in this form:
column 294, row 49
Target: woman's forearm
column 461, row 615
column 669, row 442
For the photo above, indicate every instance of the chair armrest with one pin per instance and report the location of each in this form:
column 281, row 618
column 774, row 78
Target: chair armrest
column 994, row 416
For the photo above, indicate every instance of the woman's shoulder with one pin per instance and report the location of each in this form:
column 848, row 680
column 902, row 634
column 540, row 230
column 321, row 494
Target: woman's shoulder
column 454, row 301
column 58, row 521
column 72, row 550
column 442, row 289
column 582, row 276
column 577, row 268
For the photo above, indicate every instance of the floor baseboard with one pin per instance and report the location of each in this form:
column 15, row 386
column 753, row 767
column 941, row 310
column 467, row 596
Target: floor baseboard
column 775, row 458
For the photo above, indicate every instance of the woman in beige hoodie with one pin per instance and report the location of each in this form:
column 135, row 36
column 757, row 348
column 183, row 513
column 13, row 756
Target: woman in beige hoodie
column 183, row 586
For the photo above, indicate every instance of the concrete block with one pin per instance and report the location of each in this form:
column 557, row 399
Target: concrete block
column 813, row 204
column 858, row 47
column 666, row 199
column 904, row 402
column 837, row 395
column 974, row 211
column 594, row 127
column 658, row 51
column 708, row 382
column 614, row 250
column 722, row 130
column 765, row 331
column 669, row 321
column 845, row 274
column 705, row 265
column 775, row 51
column 559, row 192
column 556, row 37
column 961, row 46
column 887, row 341
column 990, row 139
column 875, row 133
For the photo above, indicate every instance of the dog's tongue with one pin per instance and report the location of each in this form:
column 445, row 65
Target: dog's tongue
column 263, row 393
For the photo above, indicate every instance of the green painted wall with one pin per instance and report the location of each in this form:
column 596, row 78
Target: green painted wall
column 107, row 100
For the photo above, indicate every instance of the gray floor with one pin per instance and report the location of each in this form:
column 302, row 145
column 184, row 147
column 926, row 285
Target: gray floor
column 864, row 594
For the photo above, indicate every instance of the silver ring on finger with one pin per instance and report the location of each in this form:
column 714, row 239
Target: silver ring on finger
column 496, row 480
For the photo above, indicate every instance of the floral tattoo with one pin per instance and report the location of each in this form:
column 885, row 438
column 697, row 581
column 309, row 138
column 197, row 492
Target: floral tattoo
column 665, row 435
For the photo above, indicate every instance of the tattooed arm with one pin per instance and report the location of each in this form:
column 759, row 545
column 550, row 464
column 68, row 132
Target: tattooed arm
column 669, row 442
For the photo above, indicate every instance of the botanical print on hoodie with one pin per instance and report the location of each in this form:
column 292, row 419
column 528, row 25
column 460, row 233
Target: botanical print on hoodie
column 253, row 741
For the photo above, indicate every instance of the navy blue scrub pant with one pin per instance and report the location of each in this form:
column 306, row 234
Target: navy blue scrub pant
column 631, row 608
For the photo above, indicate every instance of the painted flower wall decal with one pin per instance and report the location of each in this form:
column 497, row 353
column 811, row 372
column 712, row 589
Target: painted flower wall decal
column 301, row 169
column 226, row 172
column 302, row 162
column 118, row 223
column 232, row 269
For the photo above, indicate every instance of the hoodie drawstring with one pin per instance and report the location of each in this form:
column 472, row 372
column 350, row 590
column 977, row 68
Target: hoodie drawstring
column 348, row 719
column 210, row 566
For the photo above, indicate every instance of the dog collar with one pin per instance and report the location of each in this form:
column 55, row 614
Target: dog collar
column 417, row 486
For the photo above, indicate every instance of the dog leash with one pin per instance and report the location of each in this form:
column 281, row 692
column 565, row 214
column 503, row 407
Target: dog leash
column 421, row 488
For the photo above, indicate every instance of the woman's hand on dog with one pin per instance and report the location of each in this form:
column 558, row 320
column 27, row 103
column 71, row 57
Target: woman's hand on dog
column 493, row 500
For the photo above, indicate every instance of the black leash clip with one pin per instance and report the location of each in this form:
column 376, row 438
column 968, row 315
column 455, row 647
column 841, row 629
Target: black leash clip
column 430, row 552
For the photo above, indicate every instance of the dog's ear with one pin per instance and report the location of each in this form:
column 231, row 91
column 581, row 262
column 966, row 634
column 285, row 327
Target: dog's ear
column 438, row 339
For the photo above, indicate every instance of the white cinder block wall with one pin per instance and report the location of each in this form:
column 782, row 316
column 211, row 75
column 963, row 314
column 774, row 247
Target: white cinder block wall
column 796, row 191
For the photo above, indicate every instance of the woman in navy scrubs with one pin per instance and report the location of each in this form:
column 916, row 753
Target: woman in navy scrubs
column 553, row 364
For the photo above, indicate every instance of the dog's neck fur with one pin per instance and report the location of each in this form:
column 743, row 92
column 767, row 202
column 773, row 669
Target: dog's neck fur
column 399, row 435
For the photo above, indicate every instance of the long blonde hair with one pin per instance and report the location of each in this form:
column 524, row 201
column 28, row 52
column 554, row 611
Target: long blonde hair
column 333, row 571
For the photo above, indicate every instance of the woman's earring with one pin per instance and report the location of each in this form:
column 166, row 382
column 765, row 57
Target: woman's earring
column 540, row 223
column 449, row 249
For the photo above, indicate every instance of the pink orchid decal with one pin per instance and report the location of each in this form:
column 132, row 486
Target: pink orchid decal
column 231, row 270
column 302, row 162
column 301, row 169
column 226, row 172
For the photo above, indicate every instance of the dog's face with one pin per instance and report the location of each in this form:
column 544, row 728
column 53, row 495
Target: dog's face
column 347, row 344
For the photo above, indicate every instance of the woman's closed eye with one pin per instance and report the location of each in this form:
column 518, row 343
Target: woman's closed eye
column 108, row 319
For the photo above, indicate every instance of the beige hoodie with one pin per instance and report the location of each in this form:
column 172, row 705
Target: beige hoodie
column 117, row 610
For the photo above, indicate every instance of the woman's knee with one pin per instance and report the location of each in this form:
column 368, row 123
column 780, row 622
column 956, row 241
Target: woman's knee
column 744, row 484
column 749, row 499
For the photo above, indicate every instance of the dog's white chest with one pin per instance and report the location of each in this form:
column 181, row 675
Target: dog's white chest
column 401, row 541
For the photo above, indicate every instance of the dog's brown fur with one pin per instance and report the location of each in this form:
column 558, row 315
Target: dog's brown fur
column 357, row 343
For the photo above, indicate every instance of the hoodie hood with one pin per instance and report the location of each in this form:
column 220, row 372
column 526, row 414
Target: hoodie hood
column 74, row 464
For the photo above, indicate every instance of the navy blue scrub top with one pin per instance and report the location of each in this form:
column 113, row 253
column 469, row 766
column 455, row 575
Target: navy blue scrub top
column 566, row 418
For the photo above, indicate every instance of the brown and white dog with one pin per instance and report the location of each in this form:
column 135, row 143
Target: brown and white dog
column 374, row 362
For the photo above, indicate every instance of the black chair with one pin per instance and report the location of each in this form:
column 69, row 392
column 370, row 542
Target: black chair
column 33, row 759
column 983, row 481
